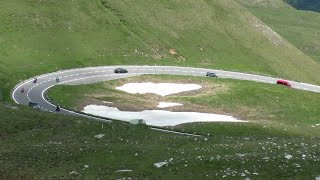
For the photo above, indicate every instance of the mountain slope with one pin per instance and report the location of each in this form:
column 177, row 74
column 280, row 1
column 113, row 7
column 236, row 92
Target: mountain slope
column 40, row 36
column 44, row 36
column 301, row 28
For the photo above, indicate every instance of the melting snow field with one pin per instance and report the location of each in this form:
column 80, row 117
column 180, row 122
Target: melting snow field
column 162, row 89
column 167, row 104
column 157, row 117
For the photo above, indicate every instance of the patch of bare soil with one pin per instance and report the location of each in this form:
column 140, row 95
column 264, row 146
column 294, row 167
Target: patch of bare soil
column 173, row 52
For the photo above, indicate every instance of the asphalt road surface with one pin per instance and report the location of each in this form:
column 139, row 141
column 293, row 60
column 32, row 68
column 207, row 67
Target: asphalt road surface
column 36, row 92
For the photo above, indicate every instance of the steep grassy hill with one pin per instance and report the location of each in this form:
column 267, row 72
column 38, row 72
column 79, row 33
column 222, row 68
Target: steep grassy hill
column 38, row 36
column 44, row 36
column 310, row 5
column 301, row 28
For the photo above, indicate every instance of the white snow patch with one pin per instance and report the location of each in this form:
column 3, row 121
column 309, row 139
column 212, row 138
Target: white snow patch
column 99, row 136
column 162, row 89
column 107, row 102
column 167, row 104
column 160, row 164
column 157, row 117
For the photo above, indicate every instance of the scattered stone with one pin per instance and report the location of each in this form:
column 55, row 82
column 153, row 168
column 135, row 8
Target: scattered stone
column 287, row 156
column 296, row 165
column 241, row 155
column 75, row 173
column 85, row 167
column 160, row 164
column 125, row 170
column 99, row 136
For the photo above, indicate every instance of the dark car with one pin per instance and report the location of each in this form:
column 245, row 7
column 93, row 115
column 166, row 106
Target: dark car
column 34, row 105
column 58, row 108
column 211, row 74
column 120, row 70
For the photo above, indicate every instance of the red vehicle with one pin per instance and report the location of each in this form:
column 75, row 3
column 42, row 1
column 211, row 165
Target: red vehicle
column 284, row 82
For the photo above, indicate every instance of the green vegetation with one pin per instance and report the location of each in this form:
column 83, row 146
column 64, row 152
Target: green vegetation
column 311, row 5
column 282, row 119
column 264, row 104
column 44, row 36
column 38, row 37
column 301, row 28
column 37, row 145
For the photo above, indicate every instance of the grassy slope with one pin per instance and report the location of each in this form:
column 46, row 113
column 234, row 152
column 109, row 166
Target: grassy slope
column 42, row 36
column 301, row 28
column 48, row 146
column 263, row 104
column 282, row 120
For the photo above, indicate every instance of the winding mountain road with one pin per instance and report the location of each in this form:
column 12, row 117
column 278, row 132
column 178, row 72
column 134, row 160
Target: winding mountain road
column 35, row 92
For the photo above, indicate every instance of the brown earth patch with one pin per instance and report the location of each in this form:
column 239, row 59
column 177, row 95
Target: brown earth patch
column 172, row 51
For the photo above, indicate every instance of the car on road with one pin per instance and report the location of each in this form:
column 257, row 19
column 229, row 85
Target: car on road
column 34, row 105
column 211, row 74
column 284, row 82
column 120, row 70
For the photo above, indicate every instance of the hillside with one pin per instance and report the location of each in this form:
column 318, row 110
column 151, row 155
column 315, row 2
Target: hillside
column 44, row 36
column 301, row 28
column 281, row 140
column 310, row 5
